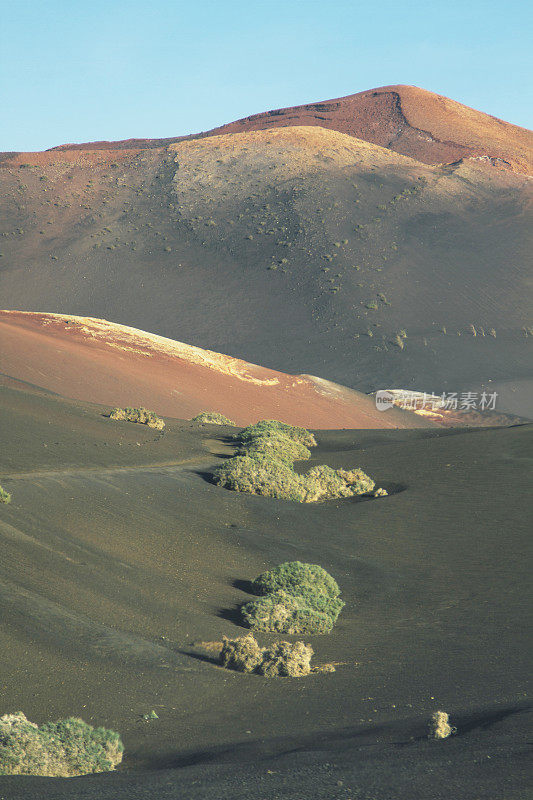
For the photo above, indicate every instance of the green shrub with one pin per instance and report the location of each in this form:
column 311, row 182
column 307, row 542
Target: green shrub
column 56, row 749
column 325, row 483
column 261, row 475
column 286, row 660
column 295, row 577
column 212, row 418
column 294, row 598
column 266, row 426
column 280, row 659
column 264, row 463
column 270, row 477
column 275, row 445
column 283, row 612
column 242, row 654
column 5, row 497
column 140, row 415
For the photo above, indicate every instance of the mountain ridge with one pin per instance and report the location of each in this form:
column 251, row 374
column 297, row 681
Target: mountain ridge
column 406, row 119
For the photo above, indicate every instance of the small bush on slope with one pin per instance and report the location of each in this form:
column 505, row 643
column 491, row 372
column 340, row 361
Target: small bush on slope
column 295, row 577
column 5, row 497
column 141, row 415
column 276, row 446
column 56, row 749
column 283, row 612
column 295, row 598
column 269, row 476
column 243, row 654
column 268, row 426
column 439, row 726
column 212, row 418
column 280, row 659
column 286, row 660
column 325, row 483
column 262, row 475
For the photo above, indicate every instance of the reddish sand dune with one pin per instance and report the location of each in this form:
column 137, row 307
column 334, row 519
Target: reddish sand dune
column 425, row 126
column 101, row 362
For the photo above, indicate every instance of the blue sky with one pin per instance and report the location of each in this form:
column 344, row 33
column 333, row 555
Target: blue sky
column 74, row 71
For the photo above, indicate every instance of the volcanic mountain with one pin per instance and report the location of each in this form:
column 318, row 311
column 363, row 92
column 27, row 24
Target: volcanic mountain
column 412, row 121
column 309, row 248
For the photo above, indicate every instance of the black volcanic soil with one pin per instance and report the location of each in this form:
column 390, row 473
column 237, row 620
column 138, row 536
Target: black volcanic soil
column 118, row 554
column 275, row 246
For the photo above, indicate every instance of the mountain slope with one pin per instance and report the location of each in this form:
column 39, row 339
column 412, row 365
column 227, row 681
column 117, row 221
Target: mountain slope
column 301, row 249
column 98, row 361
column 102, row 362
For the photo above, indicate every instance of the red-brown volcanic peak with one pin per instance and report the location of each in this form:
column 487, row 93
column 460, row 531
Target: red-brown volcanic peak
column 425, row 126
column 103, row 362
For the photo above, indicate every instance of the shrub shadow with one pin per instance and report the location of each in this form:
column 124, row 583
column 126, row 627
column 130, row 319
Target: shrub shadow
column 200, row 657
column 394, row 488
column 206, row 475
column 232, row 615
column 244, row 586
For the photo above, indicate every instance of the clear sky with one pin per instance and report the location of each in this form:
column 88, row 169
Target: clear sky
column 73, row 71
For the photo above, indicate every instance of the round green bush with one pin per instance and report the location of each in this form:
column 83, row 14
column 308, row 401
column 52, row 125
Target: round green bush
column 296, row 577
column 212, row 418
column 56, row 749
column 266, row 426
column 282, row 612
column 275, row 445
column 325, row 483
column 261, row 475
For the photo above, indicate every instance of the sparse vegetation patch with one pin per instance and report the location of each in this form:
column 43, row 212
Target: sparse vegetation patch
column 280, row 659
column 140, row 415
column 212, row 418
column 56, row 749
column 439, row 725
column 5, row 497
column 294, row 598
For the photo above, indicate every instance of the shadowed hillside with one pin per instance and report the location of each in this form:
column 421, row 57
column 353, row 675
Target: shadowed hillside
column 303, row 250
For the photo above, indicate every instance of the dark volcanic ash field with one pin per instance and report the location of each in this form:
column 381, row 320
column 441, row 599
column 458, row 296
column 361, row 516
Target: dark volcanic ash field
column 119, row 554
